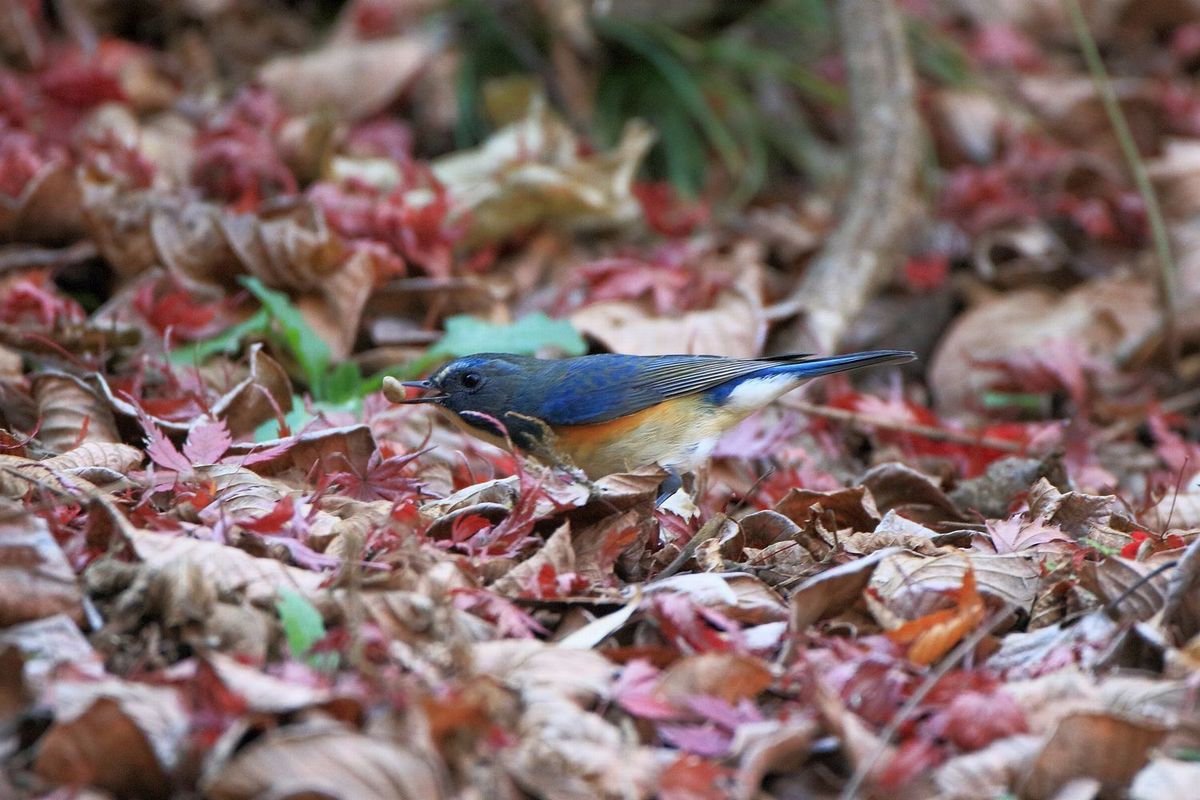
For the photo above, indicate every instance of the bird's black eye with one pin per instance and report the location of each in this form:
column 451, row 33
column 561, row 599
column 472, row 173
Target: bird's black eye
column 472, row 380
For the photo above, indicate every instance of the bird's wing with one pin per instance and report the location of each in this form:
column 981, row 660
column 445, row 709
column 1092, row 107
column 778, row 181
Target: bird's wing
column 602, row 388
column 599, row 392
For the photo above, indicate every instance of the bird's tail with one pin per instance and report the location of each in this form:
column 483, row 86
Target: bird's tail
column 815, row 366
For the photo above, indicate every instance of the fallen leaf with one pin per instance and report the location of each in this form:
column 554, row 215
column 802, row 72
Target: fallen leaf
column 36, row 580
column 931, row 636
column 1100, row 746
column 352, row 79
column 322, row 757
column 834, row 590
column 729, row 676
column 120, row 736
column 733, row 326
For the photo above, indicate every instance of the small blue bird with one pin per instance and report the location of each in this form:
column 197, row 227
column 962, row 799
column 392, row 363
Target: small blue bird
column 613, row 413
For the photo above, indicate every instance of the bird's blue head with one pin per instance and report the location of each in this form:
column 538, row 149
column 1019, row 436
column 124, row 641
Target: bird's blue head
column 488, row 383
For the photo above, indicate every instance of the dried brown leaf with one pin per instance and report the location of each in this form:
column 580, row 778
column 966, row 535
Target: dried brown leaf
column 738, row 595
column 852, row 508
column 323, row 758
column 66, row 405
column 36, row 580
column 834, row 590
column 1116, row 578
column 557, row 553
column 1100, row 746
column 1102, row 316
column 911, row 586
column 48, row 209
column 228, row 568
column 898, row 487
column 351, row 79
column 730, row 676
column 123, row 737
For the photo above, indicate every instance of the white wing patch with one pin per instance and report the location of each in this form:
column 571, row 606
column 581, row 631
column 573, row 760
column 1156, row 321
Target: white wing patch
column 754, row 393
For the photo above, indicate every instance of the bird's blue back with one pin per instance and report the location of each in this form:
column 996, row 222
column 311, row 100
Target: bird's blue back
column 599, row 388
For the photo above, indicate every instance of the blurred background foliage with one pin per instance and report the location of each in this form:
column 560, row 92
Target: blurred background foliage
column 757, row 87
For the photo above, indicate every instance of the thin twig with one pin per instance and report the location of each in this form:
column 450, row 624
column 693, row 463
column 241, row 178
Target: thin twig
column 915, row 428
column 966, row 646
column 1141, row 178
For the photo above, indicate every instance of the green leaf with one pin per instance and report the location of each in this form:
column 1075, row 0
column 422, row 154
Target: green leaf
column 343, row 385
column 302, row 623
column 309, row 350
column 466, row 335
column 228, row 341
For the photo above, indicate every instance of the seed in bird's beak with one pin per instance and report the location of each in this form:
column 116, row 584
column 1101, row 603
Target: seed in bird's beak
column 397, row 391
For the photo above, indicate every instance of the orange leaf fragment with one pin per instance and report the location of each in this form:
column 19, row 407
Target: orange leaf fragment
column 933, row 635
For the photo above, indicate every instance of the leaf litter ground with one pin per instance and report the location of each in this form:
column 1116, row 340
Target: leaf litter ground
column 230, row 568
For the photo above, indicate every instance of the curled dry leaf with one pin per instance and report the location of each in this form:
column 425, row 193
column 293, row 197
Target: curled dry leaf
column 36, row 580
column 557, row 555
column 323, row 758
column 46, row 643
column 287, row 247
column 48, row 209
column 335, row 310
column 851, row 508
column 353, row 79
column 262, row 692
column 737, row 595
column 121, row 736
column 834, row 590
column 898, row 487
column 71, row 413
column 931, row 636
column 530, row 173
column 734, row 326
column 240, row 493
column 96, row 460
column 769, row 747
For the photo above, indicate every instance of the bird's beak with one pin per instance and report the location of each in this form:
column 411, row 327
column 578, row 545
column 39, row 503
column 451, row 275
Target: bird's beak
column 396, row 391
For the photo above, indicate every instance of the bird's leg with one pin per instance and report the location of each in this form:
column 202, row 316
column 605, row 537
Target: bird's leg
column 670, row 485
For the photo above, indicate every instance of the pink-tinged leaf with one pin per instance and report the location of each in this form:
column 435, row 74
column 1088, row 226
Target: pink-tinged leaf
column 973, row 720
column 266, row 454
column 703, row 740
column 635, row 691
column 206, row 443
column 721, row 712
column 508, row 618
column 162, row 451
column 1016, row 533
